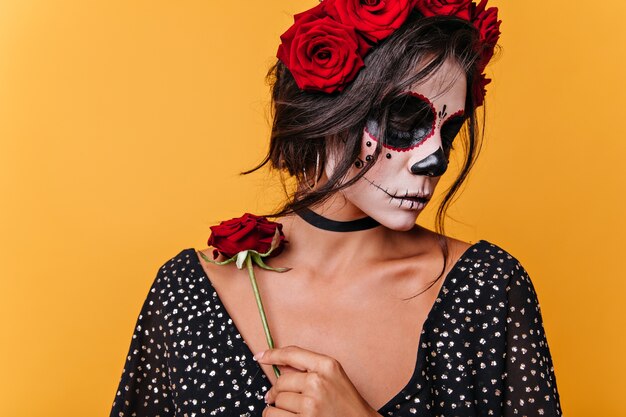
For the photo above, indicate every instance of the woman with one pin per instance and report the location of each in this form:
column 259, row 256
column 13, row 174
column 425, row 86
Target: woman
column 367, row 102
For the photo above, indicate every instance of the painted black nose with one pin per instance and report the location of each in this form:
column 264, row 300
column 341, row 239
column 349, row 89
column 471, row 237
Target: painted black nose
column 433, row 165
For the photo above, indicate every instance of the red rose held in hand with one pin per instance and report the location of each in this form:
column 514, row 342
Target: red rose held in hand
column 321, row 53
column 248, row 232
column 458, row 8
column 375, row 19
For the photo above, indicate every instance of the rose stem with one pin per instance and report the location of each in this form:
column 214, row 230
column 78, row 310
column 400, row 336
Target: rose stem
column 259, row 304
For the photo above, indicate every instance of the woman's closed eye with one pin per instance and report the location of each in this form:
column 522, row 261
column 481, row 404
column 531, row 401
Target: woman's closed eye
column 411, row 121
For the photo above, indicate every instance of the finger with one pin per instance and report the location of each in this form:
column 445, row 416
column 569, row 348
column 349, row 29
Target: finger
column 285, row 369
column 289, row 401
column 270, row 411
column 296, row 357
column 290, row 382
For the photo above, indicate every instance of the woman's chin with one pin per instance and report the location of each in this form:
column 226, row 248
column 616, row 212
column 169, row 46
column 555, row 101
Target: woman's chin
column 400, row 221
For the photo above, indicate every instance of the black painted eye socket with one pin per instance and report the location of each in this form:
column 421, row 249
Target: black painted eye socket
column 450, row 129
column 411, row 120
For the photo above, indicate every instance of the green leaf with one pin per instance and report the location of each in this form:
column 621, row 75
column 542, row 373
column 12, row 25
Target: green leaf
column 241, row 258
column 218, row 263
column 259, row 261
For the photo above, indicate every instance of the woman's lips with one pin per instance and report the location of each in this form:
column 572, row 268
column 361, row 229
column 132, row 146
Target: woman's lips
column 417, row 200
column 412, row 203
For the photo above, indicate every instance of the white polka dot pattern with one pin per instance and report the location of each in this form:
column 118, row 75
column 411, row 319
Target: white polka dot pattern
column 482, row 351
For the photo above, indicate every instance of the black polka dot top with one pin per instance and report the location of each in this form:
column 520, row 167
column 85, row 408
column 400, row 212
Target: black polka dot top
column 482, row 350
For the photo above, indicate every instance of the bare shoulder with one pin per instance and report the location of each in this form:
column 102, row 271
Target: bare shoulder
column 219, row 275
column 458, row 247
column 210, row 269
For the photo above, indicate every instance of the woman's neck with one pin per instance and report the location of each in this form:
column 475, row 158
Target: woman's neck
column 336, row 250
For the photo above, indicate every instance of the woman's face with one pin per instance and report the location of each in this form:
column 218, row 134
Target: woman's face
column 420, row 130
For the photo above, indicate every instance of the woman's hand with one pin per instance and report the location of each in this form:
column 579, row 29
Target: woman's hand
column 317, row 386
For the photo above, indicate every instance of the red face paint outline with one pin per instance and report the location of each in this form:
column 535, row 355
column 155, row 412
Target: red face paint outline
column 456, row 113
column 453, row 116
column 430, row 134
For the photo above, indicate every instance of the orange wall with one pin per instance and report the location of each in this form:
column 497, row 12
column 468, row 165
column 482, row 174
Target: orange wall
column 124, row 124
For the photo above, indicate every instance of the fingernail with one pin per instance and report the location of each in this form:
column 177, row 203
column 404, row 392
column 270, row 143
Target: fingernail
column 258, row 356
column 266, row 394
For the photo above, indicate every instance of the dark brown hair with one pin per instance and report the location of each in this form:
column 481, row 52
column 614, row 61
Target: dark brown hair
column 307, row 123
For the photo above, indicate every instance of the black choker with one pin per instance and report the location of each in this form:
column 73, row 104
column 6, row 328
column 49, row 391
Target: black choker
column 322, row 222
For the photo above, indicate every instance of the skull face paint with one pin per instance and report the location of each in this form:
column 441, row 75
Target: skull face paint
column 411, row 122
column 420, row 130
column 451, row 128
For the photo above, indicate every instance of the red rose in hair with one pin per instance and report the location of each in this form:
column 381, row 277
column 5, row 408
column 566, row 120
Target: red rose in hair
column 321, row 53
column 317, row 11
column 487, row 23
column 375, row 19
column 458, row 8
column 248, row 232
column 479, row 90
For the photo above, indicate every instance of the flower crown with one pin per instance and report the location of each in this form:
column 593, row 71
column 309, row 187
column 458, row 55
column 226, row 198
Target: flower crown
column 325, row 46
